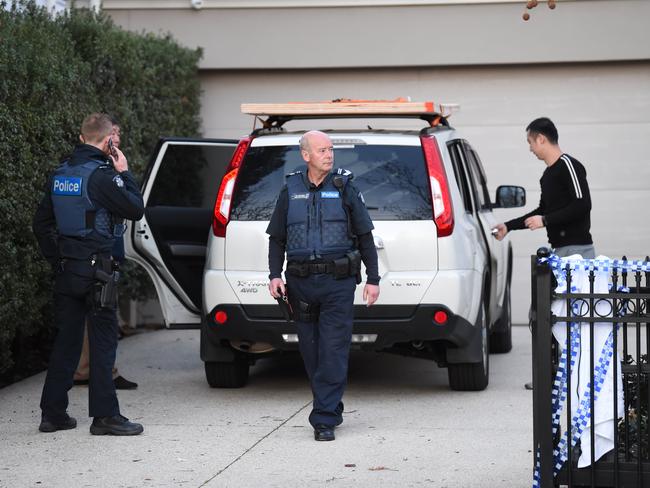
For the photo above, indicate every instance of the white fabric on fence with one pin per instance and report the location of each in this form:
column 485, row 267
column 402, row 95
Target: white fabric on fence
column 604, row 422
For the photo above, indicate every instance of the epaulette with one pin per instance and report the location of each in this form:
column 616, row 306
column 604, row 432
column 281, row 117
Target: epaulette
column 294, row 173
column 345, row 172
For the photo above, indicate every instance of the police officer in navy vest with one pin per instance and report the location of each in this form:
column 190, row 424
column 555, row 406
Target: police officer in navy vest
column 76, row 224
column 321, row 222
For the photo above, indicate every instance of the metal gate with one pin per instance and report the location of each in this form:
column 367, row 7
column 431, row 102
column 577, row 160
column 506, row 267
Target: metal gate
column 624, row 355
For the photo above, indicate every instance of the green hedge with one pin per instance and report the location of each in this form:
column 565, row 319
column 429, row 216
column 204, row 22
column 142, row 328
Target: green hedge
column 53, row 72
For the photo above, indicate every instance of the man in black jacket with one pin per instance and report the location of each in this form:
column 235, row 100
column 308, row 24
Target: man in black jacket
column 81, row 214
column 565, row 204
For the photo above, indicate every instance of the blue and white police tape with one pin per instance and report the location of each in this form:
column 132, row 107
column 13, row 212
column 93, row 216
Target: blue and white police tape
column 560, row 265
column 580, row 420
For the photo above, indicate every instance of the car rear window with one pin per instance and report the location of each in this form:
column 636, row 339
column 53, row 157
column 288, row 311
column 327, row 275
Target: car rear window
column 392, row 179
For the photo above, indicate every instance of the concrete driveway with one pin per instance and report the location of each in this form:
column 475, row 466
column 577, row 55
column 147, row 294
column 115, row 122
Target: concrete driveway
column 403, row 426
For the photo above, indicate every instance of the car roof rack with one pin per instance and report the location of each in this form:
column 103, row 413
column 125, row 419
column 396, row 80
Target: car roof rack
column 280, row 113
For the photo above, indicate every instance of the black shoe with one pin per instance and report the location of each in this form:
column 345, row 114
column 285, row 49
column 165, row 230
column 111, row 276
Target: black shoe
column 117, row 425
column 324, row 433
column 49, row 426
column 122, row 383
column 529, row 386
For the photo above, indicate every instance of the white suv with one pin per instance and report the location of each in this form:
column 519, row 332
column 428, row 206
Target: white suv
column 445, row 281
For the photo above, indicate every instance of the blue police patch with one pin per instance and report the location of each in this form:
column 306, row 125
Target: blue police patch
column 67, row 185
column 299, row 196
column 329, row 194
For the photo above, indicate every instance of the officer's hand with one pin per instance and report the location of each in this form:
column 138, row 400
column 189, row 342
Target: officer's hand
column 274, row 285
column 121, row 164
column 370, row 294
column 502, row 230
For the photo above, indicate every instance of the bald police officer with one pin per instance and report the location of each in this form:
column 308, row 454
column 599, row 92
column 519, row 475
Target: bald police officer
column 321, row 222
column 76, row 224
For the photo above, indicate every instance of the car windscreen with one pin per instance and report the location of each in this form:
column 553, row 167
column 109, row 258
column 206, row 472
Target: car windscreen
column 393, row 180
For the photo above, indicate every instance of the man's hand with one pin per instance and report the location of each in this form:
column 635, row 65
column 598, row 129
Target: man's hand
column 274, row 285
column 370, row 294
column 534, row 222
column 502, row 230
column 121, row 164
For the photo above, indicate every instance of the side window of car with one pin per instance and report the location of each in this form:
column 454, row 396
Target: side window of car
column 478, row 178
column 460, row 174
column 189, row 175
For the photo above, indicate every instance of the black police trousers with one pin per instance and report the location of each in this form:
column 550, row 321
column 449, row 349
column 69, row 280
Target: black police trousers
column 74, row 302
column 325, row 344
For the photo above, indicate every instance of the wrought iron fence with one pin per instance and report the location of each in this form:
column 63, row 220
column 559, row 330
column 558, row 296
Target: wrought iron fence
column 580, row 316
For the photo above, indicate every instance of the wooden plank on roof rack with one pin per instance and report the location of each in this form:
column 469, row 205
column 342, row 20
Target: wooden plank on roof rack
column 345, row 107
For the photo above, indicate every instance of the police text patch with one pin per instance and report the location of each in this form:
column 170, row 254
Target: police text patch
column 67, row 185
column 329, row 194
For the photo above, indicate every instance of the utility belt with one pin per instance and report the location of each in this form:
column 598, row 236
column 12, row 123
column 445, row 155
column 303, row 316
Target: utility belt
column 348, row 265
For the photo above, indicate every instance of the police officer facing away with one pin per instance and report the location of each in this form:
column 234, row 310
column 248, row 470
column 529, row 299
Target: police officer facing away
column 76, row 224
column 321, row 222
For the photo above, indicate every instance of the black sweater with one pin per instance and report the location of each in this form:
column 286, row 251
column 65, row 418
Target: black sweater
column 565, row 204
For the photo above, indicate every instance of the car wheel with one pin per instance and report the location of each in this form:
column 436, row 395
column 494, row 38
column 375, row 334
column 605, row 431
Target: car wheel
column 232, row 374
column 473, row 376
column 501, row 337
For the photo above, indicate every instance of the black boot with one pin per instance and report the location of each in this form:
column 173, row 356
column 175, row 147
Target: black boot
column 324, row 433
column 117, row 425
column 51, row 426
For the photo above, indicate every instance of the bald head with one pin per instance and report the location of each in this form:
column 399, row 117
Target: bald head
column 317, row 151
column 312, row 135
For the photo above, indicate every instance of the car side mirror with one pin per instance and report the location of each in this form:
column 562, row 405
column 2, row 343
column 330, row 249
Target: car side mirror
column 510, row 196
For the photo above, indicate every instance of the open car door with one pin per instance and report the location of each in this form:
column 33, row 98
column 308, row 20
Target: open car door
column 179, row 190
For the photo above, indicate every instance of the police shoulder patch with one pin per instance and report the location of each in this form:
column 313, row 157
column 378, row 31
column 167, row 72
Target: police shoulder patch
column 117, row 179
column 345, row 172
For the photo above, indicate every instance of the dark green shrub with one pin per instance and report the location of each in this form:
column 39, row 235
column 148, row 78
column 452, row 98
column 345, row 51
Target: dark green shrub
column 52, row 73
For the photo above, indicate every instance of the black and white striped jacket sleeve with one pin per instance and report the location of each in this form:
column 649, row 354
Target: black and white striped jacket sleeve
column 572, row 183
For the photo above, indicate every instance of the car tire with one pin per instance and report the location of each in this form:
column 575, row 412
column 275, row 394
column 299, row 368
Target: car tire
column 501, row 337
column 473, row 376
column 232, row 374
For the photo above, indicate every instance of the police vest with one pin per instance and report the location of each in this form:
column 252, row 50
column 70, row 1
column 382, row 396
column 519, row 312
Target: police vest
column 76, row 215
column 317, row 222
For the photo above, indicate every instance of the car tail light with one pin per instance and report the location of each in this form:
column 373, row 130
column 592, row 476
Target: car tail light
column 440, row 317
column 220, row 317
column 227, row 189
column 443, row 213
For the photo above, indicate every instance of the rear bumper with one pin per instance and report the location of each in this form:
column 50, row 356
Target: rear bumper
column 391, row 323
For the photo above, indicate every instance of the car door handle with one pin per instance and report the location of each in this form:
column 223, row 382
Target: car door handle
column 379, row 242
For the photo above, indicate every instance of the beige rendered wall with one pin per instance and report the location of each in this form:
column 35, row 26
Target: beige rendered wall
column 602, row 112
column 411, row 34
